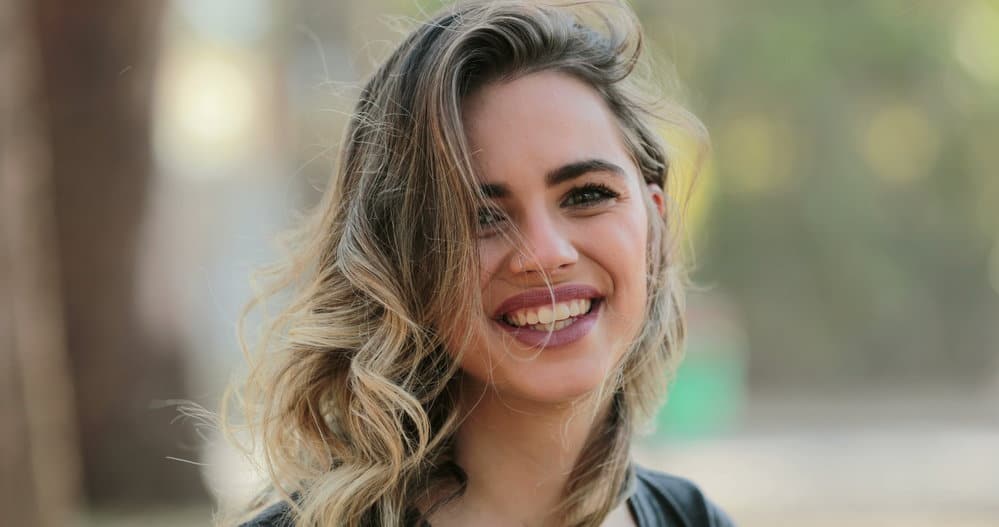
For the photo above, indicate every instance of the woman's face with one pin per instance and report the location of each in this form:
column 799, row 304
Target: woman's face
column 549, row 154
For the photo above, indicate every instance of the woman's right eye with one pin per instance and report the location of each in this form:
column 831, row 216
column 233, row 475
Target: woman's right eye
column 489, row 217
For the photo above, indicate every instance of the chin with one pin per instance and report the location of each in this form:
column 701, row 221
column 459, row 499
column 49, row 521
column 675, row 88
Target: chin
column 551, row 382
column 550, row 376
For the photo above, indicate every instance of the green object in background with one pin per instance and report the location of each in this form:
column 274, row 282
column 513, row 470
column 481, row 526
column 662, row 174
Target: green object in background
column 708, row 393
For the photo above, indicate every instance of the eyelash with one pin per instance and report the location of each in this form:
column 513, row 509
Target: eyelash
column 484, row 213
column 591, row 194
column 602, row 193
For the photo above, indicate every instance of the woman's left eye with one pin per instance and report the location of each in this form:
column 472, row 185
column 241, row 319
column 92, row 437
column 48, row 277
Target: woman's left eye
column 588, row 195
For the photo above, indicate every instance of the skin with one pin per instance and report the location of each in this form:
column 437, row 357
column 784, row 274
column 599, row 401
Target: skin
column 532, row 409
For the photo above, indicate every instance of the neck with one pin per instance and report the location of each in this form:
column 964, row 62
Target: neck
column 518, row 455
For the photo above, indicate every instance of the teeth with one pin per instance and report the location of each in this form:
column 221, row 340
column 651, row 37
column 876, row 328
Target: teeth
column 546, row 315
column 554, row 326
column 543, row 318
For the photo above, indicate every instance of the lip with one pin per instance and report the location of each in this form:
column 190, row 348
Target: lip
column 543, row 297
column 559, row 337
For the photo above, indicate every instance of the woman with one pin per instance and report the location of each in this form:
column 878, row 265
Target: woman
column 488, row 300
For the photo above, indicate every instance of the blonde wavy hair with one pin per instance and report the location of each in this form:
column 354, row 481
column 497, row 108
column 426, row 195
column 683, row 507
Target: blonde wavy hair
column 351, row 395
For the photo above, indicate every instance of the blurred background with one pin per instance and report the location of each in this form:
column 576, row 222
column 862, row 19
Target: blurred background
column 843, row 362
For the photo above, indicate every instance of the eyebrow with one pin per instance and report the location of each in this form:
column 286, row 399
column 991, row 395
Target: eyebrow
column 558, row 175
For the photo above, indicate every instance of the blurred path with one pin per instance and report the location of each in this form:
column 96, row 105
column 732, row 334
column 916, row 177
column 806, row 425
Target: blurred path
column 884, row 462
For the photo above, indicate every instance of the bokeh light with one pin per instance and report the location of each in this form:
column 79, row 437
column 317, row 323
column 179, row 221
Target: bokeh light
column 976, row 39
column 899, row 143
column 758, row 153
column 209, row 105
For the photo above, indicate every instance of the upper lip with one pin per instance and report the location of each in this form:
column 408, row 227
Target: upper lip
column 543, row 297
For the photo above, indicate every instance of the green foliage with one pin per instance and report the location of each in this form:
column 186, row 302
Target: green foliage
column 856, row 212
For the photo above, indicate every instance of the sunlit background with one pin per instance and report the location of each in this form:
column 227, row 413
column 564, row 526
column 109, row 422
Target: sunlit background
column 843, row 359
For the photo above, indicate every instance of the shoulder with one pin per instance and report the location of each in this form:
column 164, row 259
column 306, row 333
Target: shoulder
column 277, row 515
column 663, row 499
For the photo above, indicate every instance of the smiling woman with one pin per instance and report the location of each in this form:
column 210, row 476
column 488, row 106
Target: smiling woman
column 489, row 297
column 549, row 151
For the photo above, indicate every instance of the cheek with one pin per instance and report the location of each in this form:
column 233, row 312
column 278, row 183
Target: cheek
column 491, row 253
column 620, row 248
column 474, row 326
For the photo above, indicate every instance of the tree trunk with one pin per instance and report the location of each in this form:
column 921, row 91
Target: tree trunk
column 98, row 61
column 39, row 460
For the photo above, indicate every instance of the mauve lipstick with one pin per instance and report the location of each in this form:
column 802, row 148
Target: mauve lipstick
column 541, row 297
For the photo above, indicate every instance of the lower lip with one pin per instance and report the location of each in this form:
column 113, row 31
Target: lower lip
column 560, row 337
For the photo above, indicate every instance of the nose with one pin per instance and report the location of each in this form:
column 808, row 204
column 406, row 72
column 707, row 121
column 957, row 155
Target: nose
column 548, row 246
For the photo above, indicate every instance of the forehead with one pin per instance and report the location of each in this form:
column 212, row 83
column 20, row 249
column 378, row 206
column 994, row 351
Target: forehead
column 538, row 122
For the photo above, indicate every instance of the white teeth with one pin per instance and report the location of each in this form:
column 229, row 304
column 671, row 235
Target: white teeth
column 546, row 315
column 543, row 318
column 554, row 326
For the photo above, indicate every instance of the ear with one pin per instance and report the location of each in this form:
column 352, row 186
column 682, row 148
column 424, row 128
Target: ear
column 658, row 197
